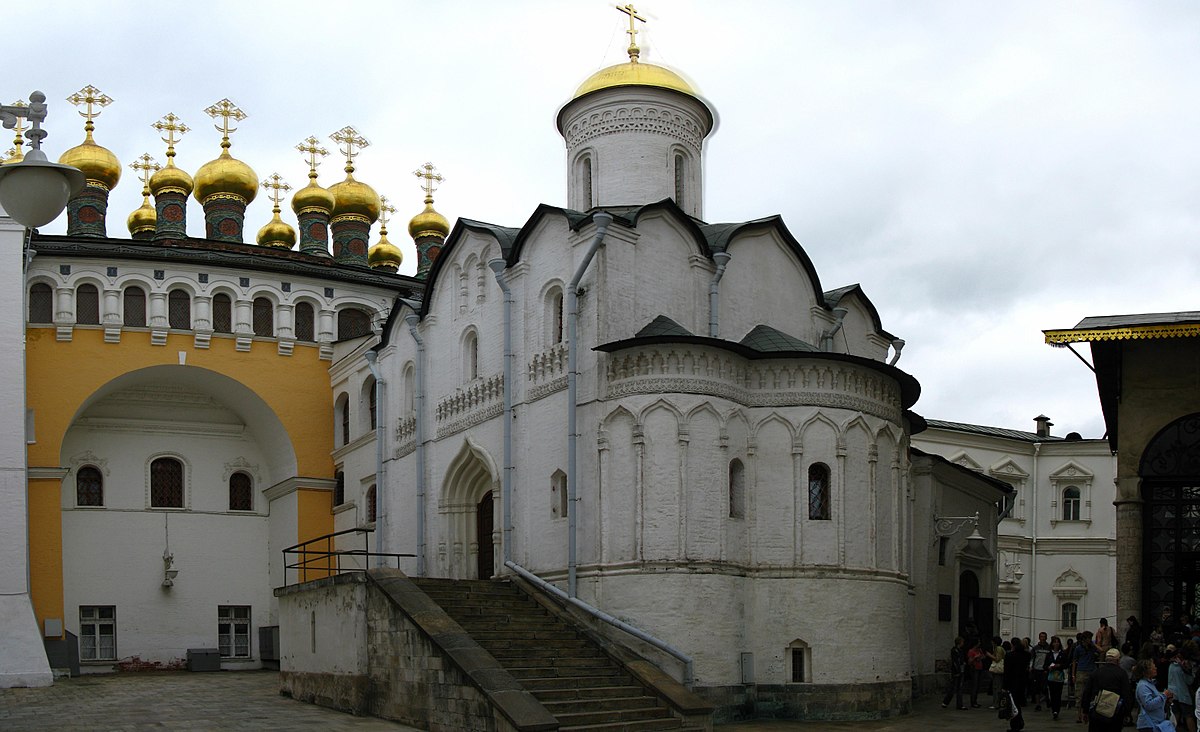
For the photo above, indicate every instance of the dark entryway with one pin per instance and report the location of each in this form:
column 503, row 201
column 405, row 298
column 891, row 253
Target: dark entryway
column 976, row 615
column 484, row 523
column 1170, row 472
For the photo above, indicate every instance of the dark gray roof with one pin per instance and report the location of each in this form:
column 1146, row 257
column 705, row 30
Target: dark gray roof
column 766, row 339
column 663, row 326
column 976, row 429
column 1123, row 321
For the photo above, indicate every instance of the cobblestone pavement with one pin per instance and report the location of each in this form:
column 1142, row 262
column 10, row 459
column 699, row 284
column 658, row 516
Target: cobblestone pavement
column 250, row 700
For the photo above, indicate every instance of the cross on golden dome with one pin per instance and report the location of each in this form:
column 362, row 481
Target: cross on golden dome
column 631, row 11
column 227, row 111
column 348, row 139
column 145, row 166
column 16, row 154
column 385, row 208
column 89, row 97
column 312, row 148
column 171, row 125
column 429, row 173
column 277, row 187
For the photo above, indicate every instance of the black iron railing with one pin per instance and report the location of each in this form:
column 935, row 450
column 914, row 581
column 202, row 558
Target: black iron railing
column 328, row 555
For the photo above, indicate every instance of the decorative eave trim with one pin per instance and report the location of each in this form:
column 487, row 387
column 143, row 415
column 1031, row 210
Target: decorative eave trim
column 291, row 485
column 1128, row 333
column 47, row 473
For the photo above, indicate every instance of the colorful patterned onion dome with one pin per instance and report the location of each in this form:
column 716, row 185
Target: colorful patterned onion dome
column 171, row 177
column 277, row 233
column 226, row 175
column 143, row 217
column 97, row 163
column 385, row 255
column 428, row 223
column 355, row 197
column 313, row 196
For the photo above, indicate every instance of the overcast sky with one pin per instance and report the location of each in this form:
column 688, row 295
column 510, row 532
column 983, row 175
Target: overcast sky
column 985, row 170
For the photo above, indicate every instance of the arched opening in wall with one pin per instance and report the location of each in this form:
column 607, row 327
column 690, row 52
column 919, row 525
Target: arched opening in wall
column 264, row 317
column 166, row 483
column 799, row 662
column 89, row 486
column 339, row 487
column 554, row 316
column 241, row 492
column 976, row 615
column 467, row 508
column 372, row 510
column 1070, row 503
column 1170, row 473
column 353, row 323
column 409, row 389
column 134, row 307
column 41, row 303
column 470, row 356
column 341, row 412
column 681, row 172
column 369, row 400
column 558, row 494
column 818, row 492
column 584, row 175
column 222, row 313
column 737, row 489
column 179, row 309
column 305, row 322
column 87, row 305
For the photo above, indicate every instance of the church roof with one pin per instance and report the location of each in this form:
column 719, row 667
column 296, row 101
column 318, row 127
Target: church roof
column 1000, row 485
column 663, row 326
column 766, row 339
column 1142, row 326
column 976, row 429
column 833, row 297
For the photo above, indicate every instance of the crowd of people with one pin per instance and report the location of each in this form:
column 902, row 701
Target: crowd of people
column 1109, row 680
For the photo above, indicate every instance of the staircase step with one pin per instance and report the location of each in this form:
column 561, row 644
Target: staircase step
column 609, row 716
column 596, row 692
column 635, row 701
column 645, row 725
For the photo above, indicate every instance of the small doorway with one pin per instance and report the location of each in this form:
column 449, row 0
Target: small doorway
column 484, row 525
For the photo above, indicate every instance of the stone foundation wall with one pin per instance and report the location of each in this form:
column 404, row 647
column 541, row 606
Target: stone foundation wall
column 809, row 701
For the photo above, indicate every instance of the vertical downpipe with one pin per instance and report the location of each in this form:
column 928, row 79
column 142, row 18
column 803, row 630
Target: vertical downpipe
column 380, row 467
column 497, row 266
column 602, row 220
column 722, row 259
column 419, row 435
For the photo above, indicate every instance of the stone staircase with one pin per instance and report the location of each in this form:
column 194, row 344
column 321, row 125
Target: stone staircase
column 585, row 689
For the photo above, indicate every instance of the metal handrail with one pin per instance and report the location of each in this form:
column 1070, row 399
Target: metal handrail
column 317, row 563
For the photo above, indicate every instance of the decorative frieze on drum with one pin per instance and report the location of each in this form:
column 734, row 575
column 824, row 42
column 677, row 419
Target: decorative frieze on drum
column 636, row 118
column 766, row 383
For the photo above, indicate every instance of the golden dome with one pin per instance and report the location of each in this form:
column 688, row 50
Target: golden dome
column 97, row 163
column 312, row 196
column 226, row 175
column 385, row 255
column 355, row 197
column 634, row 73
column 171, row 177
column 144, row 217
column 428, row 223
column 277, row 233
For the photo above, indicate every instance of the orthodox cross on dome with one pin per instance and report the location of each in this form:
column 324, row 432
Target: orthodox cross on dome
column 432, row 177
column 385, row 208
column 277, row 187
column 171, row 125
column 631, row 11
column 311, row 147
column 145, row 166
column 348, row 139
column 227, row 111
column 89, row 97
column 16, row 154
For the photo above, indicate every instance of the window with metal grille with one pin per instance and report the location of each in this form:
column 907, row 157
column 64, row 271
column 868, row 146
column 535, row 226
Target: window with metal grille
column 89, row 487
column 797, row 665
column 87, row 305
column 41, row 303
column 305, row 322
column 179, row 309
column 264, row 317
column 353, row 323
column 371, row 510
column 339, row 488
column 135, row 307
column 818, row 491
column 370, row 388
column 97, row 633
column 166, row 483
column 222, row 314
column 233, row 631
column 241, row 496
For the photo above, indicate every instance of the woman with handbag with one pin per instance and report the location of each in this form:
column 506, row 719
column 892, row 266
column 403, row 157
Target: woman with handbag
column 1155, row 704
column 997, row 670
column 1056, row 666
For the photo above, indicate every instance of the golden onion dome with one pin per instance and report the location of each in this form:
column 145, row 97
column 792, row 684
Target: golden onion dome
column 428, row 223
column 385, row 255
column 97, row 163
column 312, row 196
column 144, row 217
column 277, row 233
column 226, row 175
column 171, row 177
column 355, row 197
column 635, row 73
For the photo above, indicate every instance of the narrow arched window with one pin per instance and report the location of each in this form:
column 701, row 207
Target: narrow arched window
column 305, row 322
column 818, row 491
column 371, row 508
column 353, row 323
column 339, row 488
column 585, row 182
column 737, row 489
column 343, row 416
column 166, row 483
column 410, row 389
column 134, row 306
column 241, row 495
column 41, row 303
column 179, row 309
column 554, row 316
column 264, row 317
column 470, row 358
column 222, row 315
column 1070, row 504
column 89, row 487
column 559, row 506
column 1070, row 615
column 87, row 305
column 680, row 177
column 369, row 397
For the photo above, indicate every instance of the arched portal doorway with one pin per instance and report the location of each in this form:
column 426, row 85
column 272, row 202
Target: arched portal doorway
column 468, row 511
column 972, row 609
column 1170, row 473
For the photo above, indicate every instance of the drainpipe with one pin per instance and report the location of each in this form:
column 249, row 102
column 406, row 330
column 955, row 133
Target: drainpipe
column 602, row 220
column 380, row 468
column 1037, row 450
column 827, row 337
column 722, row 259
column 497, row 266
column 419, row 435
column 897, row 347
